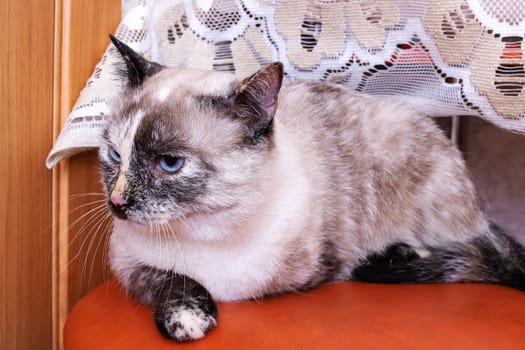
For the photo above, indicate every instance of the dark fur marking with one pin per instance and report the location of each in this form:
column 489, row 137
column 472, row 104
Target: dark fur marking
column 169, row 293
column 137, row 68
column 330, row 264
column 259, row 126
column 183, row 294
column 497, row 259
column 157, row 134
column 383, row 267
column 148, row 148
column 118, row 210
column 254, row 101
column 323, row 89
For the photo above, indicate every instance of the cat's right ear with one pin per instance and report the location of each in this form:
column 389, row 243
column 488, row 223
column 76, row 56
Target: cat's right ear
column 137, row 68
column 254, row 100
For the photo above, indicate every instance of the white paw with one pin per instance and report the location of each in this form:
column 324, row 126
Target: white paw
column 183, row 323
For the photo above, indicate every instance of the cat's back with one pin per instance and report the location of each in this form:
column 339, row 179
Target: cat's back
column 327, row 118
column 376, row 164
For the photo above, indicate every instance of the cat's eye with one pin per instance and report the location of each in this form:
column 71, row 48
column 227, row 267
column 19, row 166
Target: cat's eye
column 170, row 164
column 114, row 155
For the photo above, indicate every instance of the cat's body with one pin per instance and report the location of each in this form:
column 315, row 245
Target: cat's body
column 251, row 189
column 319, row 195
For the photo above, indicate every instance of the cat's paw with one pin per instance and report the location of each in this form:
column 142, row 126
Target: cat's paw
column 185, row 321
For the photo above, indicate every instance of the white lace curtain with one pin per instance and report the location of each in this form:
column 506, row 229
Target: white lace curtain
column 445, row 57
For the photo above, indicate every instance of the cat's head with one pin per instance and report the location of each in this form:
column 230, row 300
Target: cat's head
column 186, row 142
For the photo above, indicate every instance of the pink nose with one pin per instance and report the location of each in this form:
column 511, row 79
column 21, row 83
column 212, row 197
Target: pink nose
column 118, row 201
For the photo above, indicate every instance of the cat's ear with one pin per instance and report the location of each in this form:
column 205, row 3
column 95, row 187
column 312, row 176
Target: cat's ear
column 137, row 68
column 255, row 99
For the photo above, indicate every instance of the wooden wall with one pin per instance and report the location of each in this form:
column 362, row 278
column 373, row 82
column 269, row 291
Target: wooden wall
column 85, row 26
column 26, row 112
column 48, row 48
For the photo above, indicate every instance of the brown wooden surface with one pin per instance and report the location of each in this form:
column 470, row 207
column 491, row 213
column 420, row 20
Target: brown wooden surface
column 48, row 49
column 88, row 229
column 84, row 37
column 26, row 110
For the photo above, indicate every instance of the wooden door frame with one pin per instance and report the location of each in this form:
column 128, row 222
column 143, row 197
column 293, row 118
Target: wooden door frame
column 80, row 37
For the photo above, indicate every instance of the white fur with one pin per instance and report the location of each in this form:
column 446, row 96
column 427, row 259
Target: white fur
column 163, row 93
column 422, row 252
column 271, row 240
column 184, row 80
column 127, row 136
column 193, row 326
column 247, row 258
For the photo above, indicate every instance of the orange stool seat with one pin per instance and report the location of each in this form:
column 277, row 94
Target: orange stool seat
column 347, row 315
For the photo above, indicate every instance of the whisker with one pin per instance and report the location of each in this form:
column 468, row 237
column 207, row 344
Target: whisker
column 82, row 230
column 78, row 207
column 173, row 236
column 95, row 232
column 154, row 235
column 49, row 228
column 87, row 213
column 103, row 237
column 93, row 214
column 105, row 251
column 85, row 194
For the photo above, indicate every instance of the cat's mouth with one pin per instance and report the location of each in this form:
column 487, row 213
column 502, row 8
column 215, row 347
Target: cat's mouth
column 118, row 211
column 131, row 219
column 124, row 212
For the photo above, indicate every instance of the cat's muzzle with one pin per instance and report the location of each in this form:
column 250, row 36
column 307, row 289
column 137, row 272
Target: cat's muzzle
column 119, row 210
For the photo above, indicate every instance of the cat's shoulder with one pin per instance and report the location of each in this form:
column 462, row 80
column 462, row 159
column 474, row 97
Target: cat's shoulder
column 340, row 101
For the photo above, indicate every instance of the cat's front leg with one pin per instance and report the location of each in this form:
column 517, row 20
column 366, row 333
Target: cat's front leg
column 183, row 309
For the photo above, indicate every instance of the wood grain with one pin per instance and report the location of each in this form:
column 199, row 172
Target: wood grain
column 26, row 111
column 83, row 35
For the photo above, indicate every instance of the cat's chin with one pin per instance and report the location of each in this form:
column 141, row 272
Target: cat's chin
column 211, row 225
column 133, row 222
column 144, row 223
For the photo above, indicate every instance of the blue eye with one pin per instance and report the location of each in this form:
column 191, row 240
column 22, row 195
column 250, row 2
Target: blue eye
column 170, row 164
column 114, row 155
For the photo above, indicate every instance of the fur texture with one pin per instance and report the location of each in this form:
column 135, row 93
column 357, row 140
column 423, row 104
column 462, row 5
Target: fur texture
column 281, row 187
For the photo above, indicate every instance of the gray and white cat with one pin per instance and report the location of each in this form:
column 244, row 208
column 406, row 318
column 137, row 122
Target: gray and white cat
column 228, row 190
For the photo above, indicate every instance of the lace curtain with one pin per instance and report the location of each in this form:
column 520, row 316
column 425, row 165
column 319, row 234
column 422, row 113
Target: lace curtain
column 445, row 57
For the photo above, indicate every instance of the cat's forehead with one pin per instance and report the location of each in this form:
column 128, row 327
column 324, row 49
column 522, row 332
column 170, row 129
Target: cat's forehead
column 175, row 83
column 169, row 110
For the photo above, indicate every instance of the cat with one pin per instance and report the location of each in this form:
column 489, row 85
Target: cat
column 225, row 189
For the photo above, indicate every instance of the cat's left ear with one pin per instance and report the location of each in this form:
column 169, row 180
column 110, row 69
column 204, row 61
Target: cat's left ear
column 255, row 99
column 137, row 68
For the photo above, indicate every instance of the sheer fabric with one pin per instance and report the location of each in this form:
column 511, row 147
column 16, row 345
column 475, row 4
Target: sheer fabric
column 445, row 57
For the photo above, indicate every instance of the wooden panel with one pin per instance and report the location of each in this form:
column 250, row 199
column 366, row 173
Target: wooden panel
column 88, row 229
column 84, row 37
column 26, row 95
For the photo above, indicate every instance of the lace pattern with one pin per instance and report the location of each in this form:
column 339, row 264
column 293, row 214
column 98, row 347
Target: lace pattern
column 445, row 57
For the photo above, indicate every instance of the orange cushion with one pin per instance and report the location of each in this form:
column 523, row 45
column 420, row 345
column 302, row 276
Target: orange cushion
column 342, row 315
